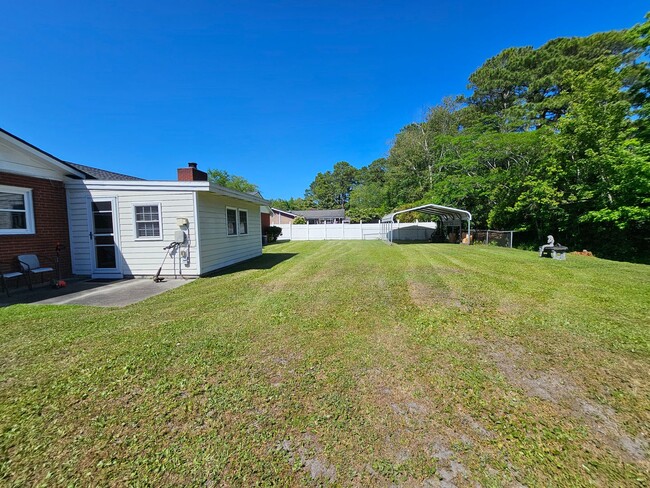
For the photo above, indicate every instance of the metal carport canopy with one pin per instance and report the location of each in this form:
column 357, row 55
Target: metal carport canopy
column 445, row 213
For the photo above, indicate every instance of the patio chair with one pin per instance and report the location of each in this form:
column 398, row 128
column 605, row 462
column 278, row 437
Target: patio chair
column 7, row 274
column 30, row 265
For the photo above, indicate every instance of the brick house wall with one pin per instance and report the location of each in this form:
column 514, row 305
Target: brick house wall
column 50, row 221
column 266, row 222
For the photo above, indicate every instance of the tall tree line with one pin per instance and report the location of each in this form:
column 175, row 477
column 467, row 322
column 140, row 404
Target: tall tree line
column 549, row 140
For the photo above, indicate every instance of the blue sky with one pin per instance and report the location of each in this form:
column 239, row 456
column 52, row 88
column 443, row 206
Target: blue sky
column 273, row 91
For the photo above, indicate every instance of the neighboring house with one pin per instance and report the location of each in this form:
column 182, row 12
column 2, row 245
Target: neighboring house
column 333, row 216
column 113, row 225
column 281, row 216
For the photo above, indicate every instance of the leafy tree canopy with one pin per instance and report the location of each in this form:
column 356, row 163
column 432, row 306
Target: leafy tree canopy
column 234, row 182
column 552, row 139
column 332, row 188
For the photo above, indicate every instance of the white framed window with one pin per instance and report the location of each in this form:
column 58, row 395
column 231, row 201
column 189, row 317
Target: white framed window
column 231, row 221
column 243, row 222
column 16, row 210
column 147, row 221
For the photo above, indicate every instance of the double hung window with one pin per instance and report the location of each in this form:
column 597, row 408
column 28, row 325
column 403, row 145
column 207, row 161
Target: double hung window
column 16, row 210
column 236, row 221
column 243, row 222
column 147, row 221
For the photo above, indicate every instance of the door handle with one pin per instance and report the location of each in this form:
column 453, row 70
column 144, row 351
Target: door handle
column 90, row 235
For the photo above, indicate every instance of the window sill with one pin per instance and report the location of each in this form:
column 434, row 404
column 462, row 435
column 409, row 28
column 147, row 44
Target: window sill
column 148, row 239
column 17, row 233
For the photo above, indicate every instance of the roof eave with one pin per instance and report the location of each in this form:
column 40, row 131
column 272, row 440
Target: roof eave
column 146, row 185
column 149, row 185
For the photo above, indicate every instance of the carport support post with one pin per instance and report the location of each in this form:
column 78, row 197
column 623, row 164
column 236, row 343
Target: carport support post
column 469, row 232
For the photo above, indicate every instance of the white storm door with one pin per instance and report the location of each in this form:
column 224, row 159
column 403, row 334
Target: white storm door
column 104, row 238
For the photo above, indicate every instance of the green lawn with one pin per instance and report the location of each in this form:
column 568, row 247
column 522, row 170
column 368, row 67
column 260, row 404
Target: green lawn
column 343, row 363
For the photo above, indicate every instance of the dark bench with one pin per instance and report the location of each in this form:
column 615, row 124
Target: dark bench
column 555, row 252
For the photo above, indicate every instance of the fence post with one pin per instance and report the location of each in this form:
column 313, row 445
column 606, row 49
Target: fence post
column 487, row 237
column 511, row 239
column 343, row 230
column 308, row 230
column 325, row 230
column 291, row 231
column 363, row 238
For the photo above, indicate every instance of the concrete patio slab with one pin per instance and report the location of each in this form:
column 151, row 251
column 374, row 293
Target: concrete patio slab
column 119, row 293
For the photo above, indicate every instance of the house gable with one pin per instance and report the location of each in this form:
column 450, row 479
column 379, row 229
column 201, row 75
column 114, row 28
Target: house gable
column 41, row 178
column 21, row 158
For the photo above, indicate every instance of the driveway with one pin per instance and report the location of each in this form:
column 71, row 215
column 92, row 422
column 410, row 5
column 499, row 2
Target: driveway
column 118, row 293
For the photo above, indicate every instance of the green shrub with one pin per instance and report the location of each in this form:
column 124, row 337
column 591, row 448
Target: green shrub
column 272, row 233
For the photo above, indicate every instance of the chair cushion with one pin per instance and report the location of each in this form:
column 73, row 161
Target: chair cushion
column 41, row 270
column 12, row 274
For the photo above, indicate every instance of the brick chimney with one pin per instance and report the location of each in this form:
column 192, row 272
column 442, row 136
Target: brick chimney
column 191, row 173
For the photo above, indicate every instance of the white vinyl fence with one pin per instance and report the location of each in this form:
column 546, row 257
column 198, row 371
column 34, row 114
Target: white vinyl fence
column 325, row 232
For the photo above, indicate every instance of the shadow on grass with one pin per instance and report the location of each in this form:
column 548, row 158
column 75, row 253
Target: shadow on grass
column 265, row 261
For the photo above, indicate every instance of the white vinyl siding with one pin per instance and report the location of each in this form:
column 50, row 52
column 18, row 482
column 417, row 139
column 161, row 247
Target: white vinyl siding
column 140, row 257
column 213, row 249
column 16, row 210
column 216, row 247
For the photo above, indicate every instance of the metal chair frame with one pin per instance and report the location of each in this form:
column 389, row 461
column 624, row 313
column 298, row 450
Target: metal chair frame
column 30, row 264
column 9, row 275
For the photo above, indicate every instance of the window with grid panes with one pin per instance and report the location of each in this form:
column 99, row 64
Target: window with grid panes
column 147, row 221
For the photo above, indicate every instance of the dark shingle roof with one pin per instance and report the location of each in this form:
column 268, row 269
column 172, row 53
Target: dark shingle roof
column 335, row 213
column 102, row 174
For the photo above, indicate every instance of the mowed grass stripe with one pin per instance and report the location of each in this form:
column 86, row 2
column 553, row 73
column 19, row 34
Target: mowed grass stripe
column 351, row 363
